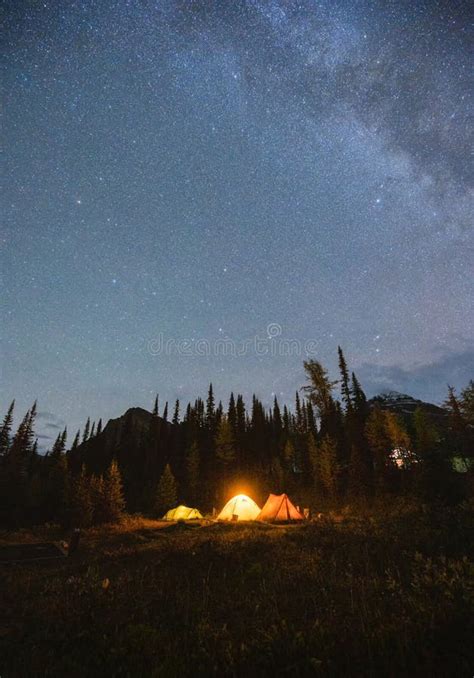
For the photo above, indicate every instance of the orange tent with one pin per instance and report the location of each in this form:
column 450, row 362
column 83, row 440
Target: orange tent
column 278, row 507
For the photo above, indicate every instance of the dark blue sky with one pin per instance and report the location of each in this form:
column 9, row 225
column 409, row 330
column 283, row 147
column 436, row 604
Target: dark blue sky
column 200, row 170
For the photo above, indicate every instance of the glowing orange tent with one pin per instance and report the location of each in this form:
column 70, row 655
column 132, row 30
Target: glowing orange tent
column 278, row 507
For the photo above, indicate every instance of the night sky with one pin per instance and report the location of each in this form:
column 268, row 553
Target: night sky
column 219, row 170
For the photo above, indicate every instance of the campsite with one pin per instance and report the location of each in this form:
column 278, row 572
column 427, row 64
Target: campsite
column 326, row 596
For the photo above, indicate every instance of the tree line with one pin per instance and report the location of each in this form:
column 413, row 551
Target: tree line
column 332, row 446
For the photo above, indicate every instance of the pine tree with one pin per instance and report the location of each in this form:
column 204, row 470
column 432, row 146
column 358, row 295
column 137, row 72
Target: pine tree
column 16, row 466
column 75, row 442
column 299, row 415
column 81, row 509
column 359, row 398
column 98, row 502
column 85, row 435
column 345, row 388
column 56, row 496
column 99, row 427
column 176, row 413
column 210, row 408
column 460, row 433
column 5, row 430
column 225, row 445
column 361, row 463
column 232, row 414
column 467, row 403
column 320, row 387
column 289, row 457
column 312, row 428
column 165, row 412
column 166, row 495
column 433, row 467
column 192, row 472
column 313, row 457
column 379, row 438
column 92, row 430
column 114, row 502
column 328, row 466
column 155, row 407
column 240, row 430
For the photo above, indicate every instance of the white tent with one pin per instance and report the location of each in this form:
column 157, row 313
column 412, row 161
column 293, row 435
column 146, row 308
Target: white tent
column 239, row 507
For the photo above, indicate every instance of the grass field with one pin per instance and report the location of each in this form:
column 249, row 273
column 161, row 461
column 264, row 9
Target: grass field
column 365, row 596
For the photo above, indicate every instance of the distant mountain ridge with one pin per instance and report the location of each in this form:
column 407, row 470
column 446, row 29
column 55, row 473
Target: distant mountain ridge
column 405, row 405
column 139, row 440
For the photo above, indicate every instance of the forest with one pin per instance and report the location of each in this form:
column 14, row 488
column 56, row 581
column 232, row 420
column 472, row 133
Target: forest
column 334, row 447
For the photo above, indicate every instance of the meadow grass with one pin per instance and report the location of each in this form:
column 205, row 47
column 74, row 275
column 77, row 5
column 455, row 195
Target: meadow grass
column 372, row 594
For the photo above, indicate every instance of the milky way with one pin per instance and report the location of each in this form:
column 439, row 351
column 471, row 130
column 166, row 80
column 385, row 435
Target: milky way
column 202, row 171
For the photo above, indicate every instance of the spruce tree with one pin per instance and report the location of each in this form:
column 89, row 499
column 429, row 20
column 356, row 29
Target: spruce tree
column 467, row 403
column 165, row 412
column 320, row 387
column 232, row 414
column 97, row 497
column 289, row 457
column 240, row 431
column 345, row 388
column 16, row 466
column 176, row 413
column 210, row 408
column 313, row 457
column 56, row 497
column 329, row 466
column 359, row 398
column 85, row 435
column 380, row 444
column 155, row 407
column 166, row 495
column 75, row 442
column 460, row 434
column 312, row 428
column 433, row 468
column 114, row 502
column 99, row 427
column 192, row 472
column 225, row 446
column 81, row 509
column 299, row 415
column 5, row 430
column 92, row 430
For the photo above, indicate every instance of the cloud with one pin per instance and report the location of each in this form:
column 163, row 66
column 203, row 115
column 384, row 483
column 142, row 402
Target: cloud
column 427, row 382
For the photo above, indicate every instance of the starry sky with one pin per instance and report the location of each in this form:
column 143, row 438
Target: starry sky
column 202, row 171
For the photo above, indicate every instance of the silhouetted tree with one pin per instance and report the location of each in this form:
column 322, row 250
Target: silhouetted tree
column 176, row 413
column 320, row 388
column 345, row 388
column 81, row 509
column 328, row 466
column 166, row 495
column 193, row 472
column 380, row 445
column 114, row 502
column 85, row 435
column 5, row 430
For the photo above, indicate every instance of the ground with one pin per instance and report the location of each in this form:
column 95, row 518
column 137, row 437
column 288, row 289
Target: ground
column 376, row 596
